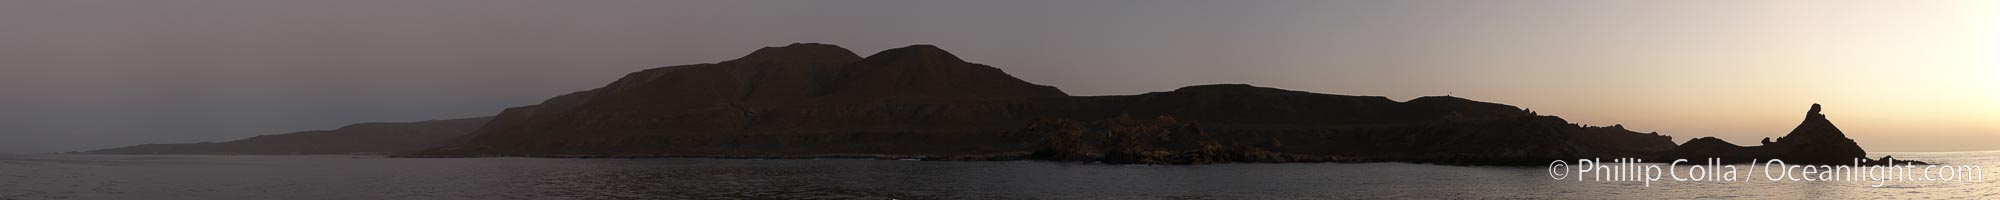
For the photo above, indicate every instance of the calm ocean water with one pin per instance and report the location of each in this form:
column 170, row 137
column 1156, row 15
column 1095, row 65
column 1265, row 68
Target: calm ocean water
column 345, row 177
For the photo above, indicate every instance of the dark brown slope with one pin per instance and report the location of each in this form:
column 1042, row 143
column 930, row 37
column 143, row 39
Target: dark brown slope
column 796, row 99
column 363, row 138
column 687, row 98
column 921, row 101
column 1246, row 105
column 1242, row 123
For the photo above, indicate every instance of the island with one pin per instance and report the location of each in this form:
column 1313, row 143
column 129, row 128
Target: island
column 808, row 100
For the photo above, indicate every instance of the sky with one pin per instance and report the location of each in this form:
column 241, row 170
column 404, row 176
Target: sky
column 1897, row 76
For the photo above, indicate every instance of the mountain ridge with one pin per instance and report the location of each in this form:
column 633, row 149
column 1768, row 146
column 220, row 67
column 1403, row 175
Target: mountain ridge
column 921, row 101
column 808, row 100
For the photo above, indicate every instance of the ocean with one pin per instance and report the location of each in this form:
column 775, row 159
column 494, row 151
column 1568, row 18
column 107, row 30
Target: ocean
column 62, row 176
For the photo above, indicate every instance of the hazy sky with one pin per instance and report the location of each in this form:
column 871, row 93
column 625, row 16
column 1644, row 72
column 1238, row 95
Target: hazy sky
column 1895, row 75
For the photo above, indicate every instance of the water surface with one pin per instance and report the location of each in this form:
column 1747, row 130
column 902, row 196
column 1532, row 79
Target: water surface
column 348, row 177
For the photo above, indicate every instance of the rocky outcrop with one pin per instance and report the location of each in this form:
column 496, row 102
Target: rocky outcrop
column 1814, row 141
column 363, row 138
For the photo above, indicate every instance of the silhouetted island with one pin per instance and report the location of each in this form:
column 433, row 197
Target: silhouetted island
column 1815, row 141
column 920, row 102
column 364, row 138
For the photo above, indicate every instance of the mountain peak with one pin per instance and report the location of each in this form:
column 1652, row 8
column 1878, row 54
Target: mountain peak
column 801, row 52
column 1446, row 98
column 920, row 53
column 926, row 70
column 1236, row 88
column 928, row 47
